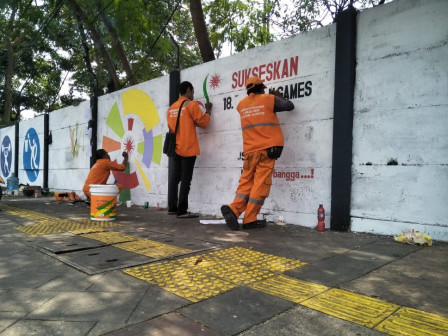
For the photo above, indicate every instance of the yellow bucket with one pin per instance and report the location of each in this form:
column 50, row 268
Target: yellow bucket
column 103, row 202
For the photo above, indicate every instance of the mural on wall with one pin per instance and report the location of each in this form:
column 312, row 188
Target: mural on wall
column 6, row 156
column 31, row 154
column 133, row 130
column 75, row 136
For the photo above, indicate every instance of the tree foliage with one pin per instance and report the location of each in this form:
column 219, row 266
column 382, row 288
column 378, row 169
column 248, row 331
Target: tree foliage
column 55, row 53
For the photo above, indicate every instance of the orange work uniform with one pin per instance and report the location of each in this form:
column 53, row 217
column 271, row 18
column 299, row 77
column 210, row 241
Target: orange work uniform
column 99, row 174
column 261, row 129
column 187, row 143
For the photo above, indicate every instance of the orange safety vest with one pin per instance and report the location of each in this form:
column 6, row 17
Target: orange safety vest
column 259, row 124
column 187, row 143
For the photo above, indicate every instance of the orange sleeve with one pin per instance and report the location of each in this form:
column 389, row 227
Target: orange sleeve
column 114, row 166
column 200, row 118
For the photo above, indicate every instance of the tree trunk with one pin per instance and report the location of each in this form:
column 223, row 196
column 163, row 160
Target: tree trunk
column 200, row 31
column 117, row 45
column 96, row 36
column 9, row 74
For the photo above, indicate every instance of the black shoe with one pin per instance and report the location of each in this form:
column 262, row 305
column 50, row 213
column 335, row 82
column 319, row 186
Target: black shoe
column 258, row 224
column 229, row 216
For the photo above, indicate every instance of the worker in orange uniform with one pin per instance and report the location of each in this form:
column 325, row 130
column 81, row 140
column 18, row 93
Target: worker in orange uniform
column 262, row 145
column 99, row 173
column 180, row 166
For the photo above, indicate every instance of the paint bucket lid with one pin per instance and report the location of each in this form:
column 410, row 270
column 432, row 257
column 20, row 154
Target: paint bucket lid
column 104, row 189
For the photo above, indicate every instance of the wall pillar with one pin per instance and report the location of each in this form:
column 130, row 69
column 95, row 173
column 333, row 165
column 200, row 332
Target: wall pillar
column 93, row 124
column 345, row 72
column 174, row 86
column 46, row 152
column 16, row 150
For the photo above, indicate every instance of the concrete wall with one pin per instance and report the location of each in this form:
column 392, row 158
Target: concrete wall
column 69, row 157
column 400, row 114
column 401, row 103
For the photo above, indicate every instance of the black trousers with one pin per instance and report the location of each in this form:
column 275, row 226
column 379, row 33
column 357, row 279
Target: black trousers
column 180, row 170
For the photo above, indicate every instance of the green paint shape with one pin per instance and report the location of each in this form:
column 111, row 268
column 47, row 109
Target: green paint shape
column 114, row 121
column 141, row 148
column 204, row 88
column 125, row 195
column 157, row 149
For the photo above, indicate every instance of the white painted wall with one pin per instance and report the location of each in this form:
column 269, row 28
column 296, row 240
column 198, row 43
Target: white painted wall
column 307, row 130
column 69, row 156
column 401, row 103
column 400, row 113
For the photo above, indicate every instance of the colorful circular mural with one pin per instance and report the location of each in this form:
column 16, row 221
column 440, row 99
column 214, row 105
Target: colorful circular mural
column 133, row 133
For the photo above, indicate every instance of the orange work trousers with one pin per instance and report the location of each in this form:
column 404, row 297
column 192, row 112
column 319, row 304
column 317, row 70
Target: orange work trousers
column 255, row 185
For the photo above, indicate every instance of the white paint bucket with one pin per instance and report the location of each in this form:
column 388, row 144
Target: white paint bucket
column 103, row 202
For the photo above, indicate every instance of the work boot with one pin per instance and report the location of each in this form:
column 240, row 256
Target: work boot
column 230, row 217
column 258, row 224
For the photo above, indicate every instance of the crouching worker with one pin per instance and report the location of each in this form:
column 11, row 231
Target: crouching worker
column 99, row 173
column 262, row 145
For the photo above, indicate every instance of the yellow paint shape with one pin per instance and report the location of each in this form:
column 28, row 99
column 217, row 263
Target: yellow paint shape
column 413, row 322
column 287, row 288
column 137, row 102
column 356, row 308
column 142, row 175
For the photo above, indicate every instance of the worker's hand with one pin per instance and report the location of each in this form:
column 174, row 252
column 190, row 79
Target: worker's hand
column 125, row 155
column 208, row 107
column 277, row 93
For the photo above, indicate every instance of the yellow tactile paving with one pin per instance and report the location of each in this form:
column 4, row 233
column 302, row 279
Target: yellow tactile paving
column 287, row 288
column 359, row 309
column 258, row 259
column 200, row 277
column 180, row 280
column 151, row 248
column 50, row 225
column 413, row 322
column 60, row 226
column 109, row 237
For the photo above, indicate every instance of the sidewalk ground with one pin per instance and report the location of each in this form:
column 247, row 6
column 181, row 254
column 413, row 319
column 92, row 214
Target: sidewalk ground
column 149, row 273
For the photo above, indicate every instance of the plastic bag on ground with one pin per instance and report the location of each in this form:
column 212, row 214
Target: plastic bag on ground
column 414, row 238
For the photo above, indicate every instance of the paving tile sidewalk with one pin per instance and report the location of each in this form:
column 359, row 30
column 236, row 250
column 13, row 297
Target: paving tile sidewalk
column 40, row 294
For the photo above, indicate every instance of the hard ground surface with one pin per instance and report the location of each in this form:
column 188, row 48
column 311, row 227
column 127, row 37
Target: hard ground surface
column 149, row 273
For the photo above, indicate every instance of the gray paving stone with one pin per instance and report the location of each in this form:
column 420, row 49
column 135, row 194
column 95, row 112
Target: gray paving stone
column 88, row 306
column 307, row 322
column 5, row 323
column 235, row 311
column 425, row 288
column 24, row 279
column 72, row 280
column 48, row 328
column 23, row 301
column 101, row 328
column 118, row 281
column 156, row 302
column 347, row 266
column 172, row 324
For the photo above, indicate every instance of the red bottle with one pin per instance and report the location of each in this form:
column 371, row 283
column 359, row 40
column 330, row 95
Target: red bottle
column 321, row 218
